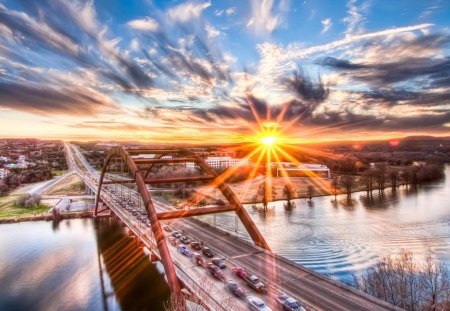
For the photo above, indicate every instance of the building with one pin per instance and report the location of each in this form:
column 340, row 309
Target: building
column 4, row 173
column 308, row 170
column 4, row 159
column 221, row 162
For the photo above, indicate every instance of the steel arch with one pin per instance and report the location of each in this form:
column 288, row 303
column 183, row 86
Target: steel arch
column 139, row 176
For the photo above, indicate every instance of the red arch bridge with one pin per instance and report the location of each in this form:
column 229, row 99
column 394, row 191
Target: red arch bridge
column 125, row 180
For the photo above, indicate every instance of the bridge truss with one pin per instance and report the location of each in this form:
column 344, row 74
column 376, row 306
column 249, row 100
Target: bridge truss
column 138, row 171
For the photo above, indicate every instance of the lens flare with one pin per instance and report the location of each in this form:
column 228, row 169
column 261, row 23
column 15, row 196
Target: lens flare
column 269, row 140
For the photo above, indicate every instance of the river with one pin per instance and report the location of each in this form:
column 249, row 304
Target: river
column 56, row 267
column 339, row 239
column 44, row 266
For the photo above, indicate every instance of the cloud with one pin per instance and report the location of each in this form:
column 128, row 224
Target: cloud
column 326, row 25
column 230, row 11
column 212, row 32
column 356, row 16
column 145, row 24
column 63, row 99
column 413, row 58
column 187, row 11
column 265, row 18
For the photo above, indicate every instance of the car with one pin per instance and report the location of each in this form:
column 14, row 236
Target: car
column 183, row 250
column 144, row 212
column 207, row 252
column 257, row 304
column 199, row 260
column 240, row 272
column 185, row 239
column 167, row 228
column 197, row 246
column 254, row 282
column 233, row 287
column 220, row 262
column 173, row 241
column 215, row 271
column 288, row 303
column 176, row 234
column 148, row 223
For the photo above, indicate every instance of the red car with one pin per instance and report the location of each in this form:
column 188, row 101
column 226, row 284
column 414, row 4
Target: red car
column 199, row 260
column 197, row 246
column 240, row 272
column 173, row 241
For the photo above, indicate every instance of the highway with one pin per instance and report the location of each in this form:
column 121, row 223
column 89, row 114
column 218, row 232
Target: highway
column 315, row 291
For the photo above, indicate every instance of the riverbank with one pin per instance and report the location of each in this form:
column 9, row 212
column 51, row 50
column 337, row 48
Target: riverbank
column 46, row 217
column 248, row 191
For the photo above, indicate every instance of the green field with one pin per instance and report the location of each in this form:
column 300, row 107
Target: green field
column 9, row 209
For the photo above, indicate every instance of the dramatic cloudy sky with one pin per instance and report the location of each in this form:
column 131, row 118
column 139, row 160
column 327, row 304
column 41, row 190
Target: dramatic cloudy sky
column 198, row 71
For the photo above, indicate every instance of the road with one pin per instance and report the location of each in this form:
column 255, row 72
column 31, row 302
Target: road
column 281, row 275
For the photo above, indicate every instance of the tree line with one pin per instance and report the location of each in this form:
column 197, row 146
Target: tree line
column 408, row 284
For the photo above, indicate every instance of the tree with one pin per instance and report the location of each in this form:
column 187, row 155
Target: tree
column 347, row 183
column 335, row 185
column 310, row 191
column 403, row 282
column 289, row 192
column 368, row 178
column 393, row 174
column 28, row 200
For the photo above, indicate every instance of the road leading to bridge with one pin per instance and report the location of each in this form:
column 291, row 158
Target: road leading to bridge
column 283, row 276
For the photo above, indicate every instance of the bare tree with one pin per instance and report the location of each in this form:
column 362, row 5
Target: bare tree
column 393, row 174
column 347, row 183
column 310, row 192
column 335, row 185
column 289, row 192
column 402, row 281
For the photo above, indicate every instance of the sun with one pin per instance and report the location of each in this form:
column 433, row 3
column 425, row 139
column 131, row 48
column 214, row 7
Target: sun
column 269, row 140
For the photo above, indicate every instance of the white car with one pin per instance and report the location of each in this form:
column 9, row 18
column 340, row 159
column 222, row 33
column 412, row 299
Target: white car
column 257, row 304
column 288, row 303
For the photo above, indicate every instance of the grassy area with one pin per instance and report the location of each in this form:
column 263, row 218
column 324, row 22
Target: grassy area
column 9, row 209
column 57, row 173
column 70, row 185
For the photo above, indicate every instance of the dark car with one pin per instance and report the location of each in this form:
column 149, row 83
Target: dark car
column 197, row 246
column 176, row 234
column 199, row 260
column 207, row 252
column 167, row 228
column 233, row 287
column 185, row 239
column 220, row 262
column 215, row 271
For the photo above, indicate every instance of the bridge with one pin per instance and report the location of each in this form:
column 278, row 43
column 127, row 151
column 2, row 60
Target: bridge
column 124, row 182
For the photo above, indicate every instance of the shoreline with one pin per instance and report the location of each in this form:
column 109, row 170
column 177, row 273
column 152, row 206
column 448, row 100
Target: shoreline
column 47, row 217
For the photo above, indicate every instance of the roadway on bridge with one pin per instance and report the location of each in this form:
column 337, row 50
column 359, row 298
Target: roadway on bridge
column 283, row 275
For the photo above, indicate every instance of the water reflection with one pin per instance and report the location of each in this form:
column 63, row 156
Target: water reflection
column 45, row 266
column 340, row 237
column 137, row 284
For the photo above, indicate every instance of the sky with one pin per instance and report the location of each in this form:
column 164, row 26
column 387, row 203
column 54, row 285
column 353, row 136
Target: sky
column 221, row 71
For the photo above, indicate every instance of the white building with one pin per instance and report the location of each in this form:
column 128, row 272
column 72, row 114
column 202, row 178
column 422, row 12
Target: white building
column 221, row 162
column 4, row 159
column 4, row 173
column 305, row 168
